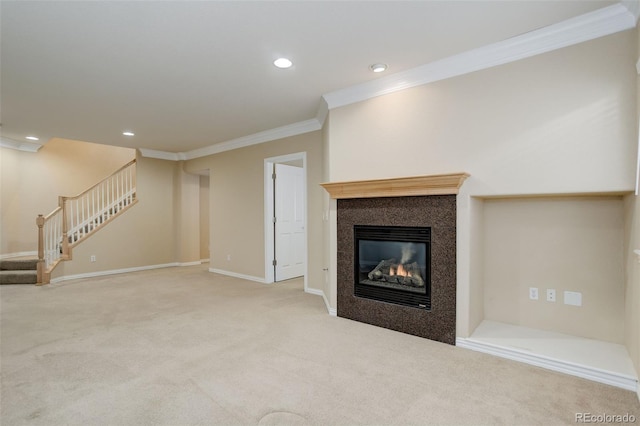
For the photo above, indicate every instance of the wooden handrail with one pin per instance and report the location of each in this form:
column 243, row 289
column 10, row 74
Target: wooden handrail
column 94, row 186
column 78, row 216
column 50, row 215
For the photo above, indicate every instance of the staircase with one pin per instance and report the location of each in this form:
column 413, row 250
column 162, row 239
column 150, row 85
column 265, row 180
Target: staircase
column 76, row 218
column 18, row 271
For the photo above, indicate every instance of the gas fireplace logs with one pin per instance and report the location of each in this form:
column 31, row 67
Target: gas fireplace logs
column 393, row 272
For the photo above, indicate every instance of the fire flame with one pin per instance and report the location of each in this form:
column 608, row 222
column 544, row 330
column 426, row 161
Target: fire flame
column 400, row 271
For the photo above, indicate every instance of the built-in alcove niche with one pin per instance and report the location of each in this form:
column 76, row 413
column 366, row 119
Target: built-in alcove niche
column 564, row 243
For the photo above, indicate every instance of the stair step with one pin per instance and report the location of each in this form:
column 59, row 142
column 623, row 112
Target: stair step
column 18, row 264
column 18, row 277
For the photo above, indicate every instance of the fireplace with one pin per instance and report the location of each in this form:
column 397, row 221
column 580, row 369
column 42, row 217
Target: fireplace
column 392, row 264
column 388, row 208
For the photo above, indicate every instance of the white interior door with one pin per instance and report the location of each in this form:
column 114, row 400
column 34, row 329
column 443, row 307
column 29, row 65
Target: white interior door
column 289, row 222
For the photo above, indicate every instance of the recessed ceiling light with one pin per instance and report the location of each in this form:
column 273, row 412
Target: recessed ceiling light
column 378, row 67
column 128, row 133
column 282, row 63
column 32, row 138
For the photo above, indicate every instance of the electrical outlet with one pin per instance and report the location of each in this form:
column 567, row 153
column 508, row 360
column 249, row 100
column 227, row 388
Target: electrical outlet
column 551, row 295
column 533, row 293
column 228, row 258
column 93, row 257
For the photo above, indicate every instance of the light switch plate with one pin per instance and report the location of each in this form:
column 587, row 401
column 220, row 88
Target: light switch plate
column 572, row 298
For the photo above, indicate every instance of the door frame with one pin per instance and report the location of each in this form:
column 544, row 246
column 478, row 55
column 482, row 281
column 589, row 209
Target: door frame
column 269, row 237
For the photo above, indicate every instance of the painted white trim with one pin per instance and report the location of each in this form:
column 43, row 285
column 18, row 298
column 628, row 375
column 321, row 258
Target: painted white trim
column 197, row 262
column 599, row 23
column 597, row 375
column 204, row 260
column 268, row 214
column 318, row 292
column 112, row 272
column 269, row 254
column 637, row 190
column 294, row 129
column 18, row 254
column 257, row 138
column 20, row 146
column 236, row 275
column 323, row 111
column 161, row 155
column 633, row 6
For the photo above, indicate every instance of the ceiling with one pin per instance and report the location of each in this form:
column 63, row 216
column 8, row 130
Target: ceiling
column 188, row 75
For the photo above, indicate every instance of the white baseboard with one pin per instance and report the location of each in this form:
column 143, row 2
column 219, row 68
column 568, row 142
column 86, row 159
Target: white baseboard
column 112, row 272
column 236, row 275
column 197, row 262
column 19, row 254
column 584, row 371
column 317, row 292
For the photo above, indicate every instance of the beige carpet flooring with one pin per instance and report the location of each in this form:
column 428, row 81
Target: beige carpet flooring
column 183, row 346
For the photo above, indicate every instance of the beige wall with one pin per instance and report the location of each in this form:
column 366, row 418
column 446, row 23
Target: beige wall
column 632, row 231
column 566, row 244
column 204, row 218
column 561, row 122
column 237, row 205
column 187, row 214
column 143, row 236
column 31, row 183
column 632, row 294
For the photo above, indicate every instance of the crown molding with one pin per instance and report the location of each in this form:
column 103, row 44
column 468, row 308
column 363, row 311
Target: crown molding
column 294, row 129
column 20, row 146
column 599, row 23
column 323, row 111
column 633, row 6
column 256, row 138
column 161, row 155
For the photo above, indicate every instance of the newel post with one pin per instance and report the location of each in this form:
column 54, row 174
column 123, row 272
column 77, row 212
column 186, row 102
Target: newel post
column 41, row 264
column 65, row 227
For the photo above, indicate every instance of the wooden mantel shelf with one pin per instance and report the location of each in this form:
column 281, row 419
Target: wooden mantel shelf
column 398, row 187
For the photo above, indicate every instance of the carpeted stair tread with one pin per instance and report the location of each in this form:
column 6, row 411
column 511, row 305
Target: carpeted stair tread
column 18, row 264
column 18, row 277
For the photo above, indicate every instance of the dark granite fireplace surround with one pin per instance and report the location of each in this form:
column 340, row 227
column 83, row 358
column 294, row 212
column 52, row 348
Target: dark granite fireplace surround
column 435, row 211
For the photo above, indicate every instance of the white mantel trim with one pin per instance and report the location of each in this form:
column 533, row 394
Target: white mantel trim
column 599, row 23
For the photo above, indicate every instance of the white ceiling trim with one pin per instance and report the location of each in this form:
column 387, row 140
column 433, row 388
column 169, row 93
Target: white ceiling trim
column 599, row 23
column 20, row 146
column 161, row 155
column 633, row 6
column 294, row 129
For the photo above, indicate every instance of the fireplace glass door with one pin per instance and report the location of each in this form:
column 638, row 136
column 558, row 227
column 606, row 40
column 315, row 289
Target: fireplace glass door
column 393, row 264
